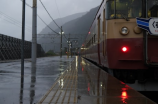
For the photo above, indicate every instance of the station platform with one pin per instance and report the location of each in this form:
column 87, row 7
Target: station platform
column 84, row 83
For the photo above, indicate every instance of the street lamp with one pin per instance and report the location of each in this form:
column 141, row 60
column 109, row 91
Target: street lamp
column 62, row 32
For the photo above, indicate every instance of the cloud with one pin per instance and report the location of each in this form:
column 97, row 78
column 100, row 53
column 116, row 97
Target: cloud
column 57, row 9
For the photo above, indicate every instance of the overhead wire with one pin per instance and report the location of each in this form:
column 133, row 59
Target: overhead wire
column 47, row 25
column 50, row 15
column 27, row 4
column 59, row 12
column 15, row 24
column 65, row 37
column 14, row 20
column 42, row 20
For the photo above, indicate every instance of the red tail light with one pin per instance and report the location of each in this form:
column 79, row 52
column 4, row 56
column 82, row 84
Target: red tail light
column 124, row 49
column 124, row 94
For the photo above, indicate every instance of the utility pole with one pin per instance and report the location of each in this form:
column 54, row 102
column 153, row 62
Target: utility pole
column 23, row 39
column 68, row 44
column 34, row 32
column 22, row 51
column 61, row 43
column 71, row 49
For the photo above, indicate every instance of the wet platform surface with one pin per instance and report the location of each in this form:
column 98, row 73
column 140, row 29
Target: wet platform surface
column 85, row 83
column 37, row 81
column 64, row 90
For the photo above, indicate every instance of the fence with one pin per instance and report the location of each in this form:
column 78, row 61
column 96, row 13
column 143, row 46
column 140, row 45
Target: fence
column 10, row 48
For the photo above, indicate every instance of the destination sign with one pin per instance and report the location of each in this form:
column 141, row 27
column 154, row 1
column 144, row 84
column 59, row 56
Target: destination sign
column 151, row 25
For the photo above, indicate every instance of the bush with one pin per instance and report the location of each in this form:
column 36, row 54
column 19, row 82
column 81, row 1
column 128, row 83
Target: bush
column 50, row 53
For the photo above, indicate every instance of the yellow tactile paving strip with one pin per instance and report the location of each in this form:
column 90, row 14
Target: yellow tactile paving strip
column 64, row 90
column 84, row 83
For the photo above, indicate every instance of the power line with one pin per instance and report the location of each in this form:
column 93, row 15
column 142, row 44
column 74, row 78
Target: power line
column 47, row 25
column 42, row 19
column 49, row 14
column 47, row 36
column 65, row 37
column 14, row 20
column 27, row 4
column 14, row 24
column 58, row 11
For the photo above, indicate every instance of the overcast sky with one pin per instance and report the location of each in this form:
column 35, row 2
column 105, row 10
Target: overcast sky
column 57, row 9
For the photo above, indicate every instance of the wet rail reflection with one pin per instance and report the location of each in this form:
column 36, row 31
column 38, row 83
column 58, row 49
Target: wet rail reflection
column 32, row 84
column 95, row 86
column 21, row 90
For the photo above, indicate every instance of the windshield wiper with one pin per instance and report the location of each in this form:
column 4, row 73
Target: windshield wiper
column 126, row 18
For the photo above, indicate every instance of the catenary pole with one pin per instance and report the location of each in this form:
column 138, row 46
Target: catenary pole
column 34, row 32
column 69, row 43
column 23, row 38
column 61, row 43
column 22, row 51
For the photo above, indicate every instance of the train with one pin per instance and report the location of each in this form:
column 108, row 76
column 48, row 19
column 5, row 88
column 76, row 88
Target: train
column 117, row 43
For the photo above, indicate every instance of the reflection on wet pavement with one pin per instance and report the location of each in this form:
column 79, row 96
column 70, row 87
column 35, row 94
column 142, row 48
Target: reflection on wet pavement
column 64, row 81
column 15, row 89
column 21, row 90
column 64, row 90
column 84, row 83
column 95, row 86
column 33, row 83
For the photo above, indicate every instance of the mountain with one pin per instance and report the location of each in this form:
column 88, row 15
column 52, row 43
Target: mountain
column 61, row 21
column 75, row 29
column 80, row 25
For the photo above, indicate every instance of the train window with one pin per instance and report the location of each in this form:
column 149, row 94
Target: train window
column 103, row 22
column 94, row 38
column 152, row 6
column 109, row 10
column 123, row 9
column 99, row 29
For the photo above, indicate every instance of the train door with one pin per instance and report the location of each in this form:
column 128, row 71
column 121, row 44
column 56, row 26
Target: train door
column 104, row 37
column 99, row 39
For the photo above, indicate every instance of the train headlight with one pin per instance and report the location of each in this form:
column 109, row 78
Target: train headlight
column 124, row 31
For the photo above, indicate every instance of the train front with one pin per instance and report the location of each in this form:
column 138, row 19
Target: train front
column 132, row 52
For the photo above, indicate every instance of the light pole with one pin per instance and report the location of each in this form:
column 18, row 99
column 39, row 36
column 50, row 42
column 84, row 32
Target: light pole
column 23, row 38
column 22, row 49
column 34, row 33
column 61, row 42
column 71, row 48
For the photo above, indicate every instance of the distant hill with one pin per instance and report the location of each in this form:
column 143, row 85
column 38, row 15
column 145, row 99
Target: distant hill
column 75, row 28
column 61, row 21
column 80, row 25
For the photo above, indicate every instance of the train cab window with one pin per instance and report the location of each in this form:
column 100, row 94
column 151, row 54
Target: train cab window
column 123, row 9
column 152, row 6
column 109, row 10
